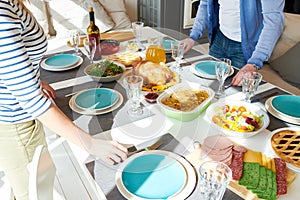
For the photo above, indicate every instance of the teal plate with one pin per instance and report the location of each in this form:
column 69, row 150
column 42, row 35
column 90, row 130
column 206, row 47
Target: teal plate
column 167, row 45
column 287, row 104
column 206, row 69
column 61, row 60
column 96, row 99
column 154, row 176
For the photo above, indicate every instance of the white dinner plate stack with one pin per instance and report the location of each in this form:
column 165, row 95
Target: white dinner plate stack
column 61, row 62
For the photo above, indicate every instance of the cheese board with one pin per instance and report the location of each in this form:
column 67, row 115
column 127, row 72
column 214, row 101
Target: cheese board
column 196, row 157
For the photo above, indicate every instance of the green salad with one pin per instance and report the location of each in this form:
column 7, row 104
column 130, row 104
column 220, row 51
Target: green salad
column 105, row 69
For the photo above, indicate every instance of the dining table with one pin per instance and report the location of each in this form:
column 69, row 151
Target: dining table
column 177, row 136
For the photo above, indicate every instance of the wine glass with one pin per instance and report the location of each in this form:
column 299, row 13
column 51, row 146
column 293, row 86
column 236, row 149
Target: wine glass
column 133, row 85
column 222, row 68
column 92, row 45
column 250, row 83
column 177, row 53
column 137, row 28
column 75, row 40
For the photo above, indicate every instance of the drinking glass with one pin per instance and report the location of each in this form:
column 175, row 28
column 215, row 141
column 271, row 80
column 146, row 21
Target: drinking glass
column 250, row 83
column 90, row 45
column 177, row 53
column 133, row 85
column 137, row 28
column 222, row 71
column 213, row 179
column 75, row 40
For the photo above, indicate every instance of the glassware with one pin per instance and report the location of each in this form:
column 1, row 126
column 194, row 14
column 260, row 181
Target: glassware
column 75, row 40
column 177, row 53
column 133, row 85
column 213, row 179
column 90, row 45
column 222, row 68
column 137, row 28
column 155, row 52
column 250, row 83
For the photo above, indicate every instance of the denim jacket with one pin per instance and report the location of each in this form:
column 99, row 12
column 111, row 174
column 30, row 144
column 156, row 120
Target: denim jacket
column 262, row 22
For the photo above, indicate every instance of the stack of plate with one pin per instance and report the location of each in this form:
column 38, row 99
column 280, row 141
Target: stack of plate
column 96, row 101
column 285, row 107
column 206, row 69
column 61, row 62
column 156, row 175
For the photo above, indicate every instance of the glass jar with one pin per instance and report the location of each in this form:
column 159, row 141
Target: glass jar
column 155, row 52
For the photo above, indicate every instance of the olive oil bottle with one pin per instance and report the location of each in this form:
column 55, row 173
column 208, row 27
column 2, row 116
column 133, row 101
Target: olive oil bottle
column 94, row 32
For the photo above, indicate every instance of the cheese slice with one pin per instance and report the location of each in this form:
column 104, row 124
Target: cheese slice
column 264, row 160
column 273, row 165
column 253, row 156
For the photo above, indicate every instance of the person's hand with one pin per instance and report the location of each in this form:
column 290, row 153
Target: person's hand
column 189, row 43
column 108, row 150
column 237, row 79
column 48, row 91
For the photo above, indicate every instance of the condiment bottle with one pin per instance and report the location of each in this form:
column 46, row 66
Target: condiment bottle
column 94, row 32
column 155, row 52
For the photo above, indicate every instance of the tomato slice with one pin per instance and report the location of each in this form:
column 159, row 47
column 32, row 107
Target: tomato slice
column 242, row 109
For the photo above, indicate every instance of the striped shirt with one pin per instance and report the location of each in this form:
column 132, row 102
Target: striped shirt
column 22, row 45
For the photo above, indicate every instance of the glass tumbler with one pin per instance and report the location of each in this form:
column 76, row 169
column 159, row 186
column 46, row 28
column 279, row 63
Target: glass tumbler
column 250, row 83
column 133, row 85
column 213, row 180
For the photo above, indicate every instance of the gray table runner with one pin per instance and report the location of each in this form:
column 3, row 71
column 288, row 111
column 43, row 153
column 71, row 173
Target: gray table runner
column 104, row 174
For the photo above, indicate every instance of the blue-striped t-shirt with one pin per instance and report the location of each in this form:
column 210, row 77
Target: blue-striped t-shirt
column 22, row 45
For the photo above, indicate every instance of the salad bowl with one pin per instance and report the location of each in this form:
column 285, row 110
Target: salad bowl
column 237, row 118
column 105, row 71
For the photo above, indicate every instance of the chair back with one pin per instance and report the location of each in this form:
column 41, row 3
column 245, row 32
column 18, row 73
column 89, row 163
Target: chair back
column 41, row 175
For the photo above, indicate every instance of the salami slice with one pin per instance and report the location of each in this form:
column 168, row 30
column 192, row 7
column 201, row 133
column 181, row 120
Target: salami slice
column 240, row 149
column 280, row 166
column 237, row 165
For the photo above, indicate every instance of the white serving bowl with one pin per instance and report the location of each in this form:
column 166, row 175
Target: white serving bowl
column 107, row 78
column 256, row 110
column 182, row 115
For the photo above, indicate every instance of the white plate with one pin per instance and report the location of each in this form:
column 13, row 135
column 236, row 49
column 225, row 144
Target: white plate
column 278, row 115
column 182, row 194
column 98, row 112
column 290, row 166
column 210, row 112
column 55, row 69
column 206, row 69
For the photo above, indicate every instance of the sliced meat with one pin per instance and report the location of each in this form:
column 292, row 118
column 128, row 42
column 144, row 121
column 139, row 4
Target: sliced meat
column 237, row 165
column 215, row 151
column 221, row 157
column 280, row 166
column 240, row 149
column 217, row 142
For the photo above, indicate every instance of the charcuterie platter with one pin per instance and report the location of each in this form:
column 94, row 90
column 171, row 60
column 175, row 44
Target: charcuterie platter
column 255, row 176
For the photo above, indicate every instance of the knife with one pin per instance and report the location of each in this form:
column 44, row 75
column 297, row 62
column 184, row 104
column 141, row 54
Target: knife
column 151, row 147
column 264, row 97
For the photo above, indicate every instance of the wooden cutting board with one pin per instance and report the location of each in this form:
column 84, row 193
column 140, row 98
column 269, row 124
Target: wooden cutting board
column 120, row 36
column 194, row 159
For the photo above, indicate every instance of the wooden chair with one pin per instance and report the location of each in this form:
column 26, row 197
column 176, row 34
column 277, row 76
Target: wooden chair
column 41, row 175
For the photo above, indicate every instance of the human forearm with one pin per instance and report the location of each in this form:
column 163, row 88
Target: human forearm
column 59, row 123
column 200, row 23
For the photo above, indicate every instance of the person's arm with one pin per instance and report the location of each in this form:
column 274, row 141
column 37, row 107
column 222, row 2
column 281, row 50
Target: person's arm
column 273, row 24
column 58, row 122
column 198, row 28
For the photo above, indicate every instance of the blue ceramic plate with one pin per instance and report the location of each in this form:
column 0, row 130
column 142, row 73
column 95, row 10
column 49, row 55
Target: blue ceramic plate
column 167, row 45
column 61, row 61
column 96, row 99
column 206, row 69
column 287, row 104
column 154, row 176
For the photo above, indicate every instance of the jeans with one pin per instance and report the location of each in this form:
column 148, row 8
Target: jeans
column 222, row 47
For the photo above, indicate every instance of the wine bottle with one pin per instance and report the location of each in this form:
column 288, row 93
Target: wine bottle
column 94, row 32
